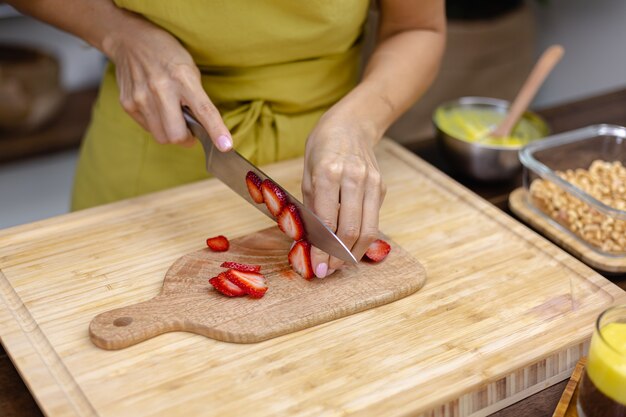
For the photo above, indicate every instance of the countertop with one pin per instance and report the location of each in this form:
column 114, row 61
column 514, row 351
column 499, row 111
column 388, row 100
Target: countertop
column 15, row 399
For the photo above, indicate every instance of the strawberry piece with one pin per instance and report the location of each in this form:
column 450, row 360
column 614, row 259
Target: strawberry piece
column 223, row 285
column 252, row 283
column 218, row 243
column 241, row 267
column 377, row 250
column 274, row 197
column 254, row 187
column 300, row 259
column 290, row 223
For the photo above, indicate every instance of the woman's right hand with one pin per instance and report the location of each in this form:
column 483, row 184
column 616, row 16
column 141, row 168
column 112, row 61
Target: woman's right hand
column 156, row 76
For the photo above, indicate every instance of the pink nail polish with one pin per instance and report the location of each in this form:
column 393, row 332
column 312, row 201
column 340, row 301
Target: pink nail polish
column 321, row 270
column 224, row 143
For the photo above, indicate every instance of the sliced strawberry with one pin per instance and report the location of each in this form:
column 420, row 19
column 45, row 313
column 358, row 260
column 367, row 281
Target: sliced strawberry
column 223, row 285
column 252, row 283
column 290, row 223
column 274, row 197
column 254, row 187
column 300, row 259
column 377, row 250
column 218, row 243
column 241, row 267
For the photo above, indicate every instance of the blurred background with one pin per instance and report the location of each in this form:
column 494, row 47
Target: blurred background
column 49, row 80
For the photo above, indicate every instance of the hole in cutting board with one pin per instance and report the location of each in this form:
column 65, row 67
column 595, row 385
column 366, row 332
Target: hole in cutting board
column 122, row 321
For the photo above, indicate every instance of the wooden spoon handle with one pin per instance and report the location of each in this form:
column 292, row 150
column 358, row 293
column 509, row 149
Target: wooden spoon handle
column 126, row 326
column 540, row 72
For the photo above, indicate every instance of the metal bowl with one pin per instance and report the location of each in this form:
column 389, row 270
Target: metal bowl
column 485, row 162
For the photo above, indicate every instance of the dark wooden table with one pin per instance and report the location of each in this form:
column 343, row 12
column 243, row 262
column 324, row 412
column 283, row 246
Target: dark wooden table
column 15, row 399
column 63, row 132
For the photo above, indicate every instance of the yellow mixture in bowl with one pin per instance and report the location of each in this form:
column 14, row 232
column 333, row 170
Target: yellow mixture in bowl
column 474, row 125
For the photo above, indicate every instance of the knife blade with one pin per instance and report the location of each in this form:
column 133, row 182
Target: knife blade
column 231, row 168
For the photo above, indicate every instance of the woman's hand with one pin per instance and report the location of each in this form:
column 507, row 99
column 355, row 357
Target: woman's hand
column 156, row 76
column 341, row 180
column 342, row 184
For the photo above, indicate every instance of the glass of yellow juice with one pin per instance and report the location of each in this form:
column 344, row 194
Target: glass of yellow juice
column 602, row 391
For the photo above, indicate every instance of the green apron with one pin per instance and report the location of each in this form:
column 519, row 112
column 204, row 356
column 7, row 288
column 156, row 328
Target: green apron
column 271, row 67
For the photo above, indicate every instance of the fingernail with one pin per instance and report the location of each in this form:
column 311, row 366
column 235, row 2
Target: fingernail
column 224, row 143
column 321, row 270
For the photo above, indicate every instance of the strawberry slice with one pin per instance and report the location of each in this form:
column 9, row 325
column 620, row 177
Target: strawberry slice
column 252, row 283
column 274, row 197
column 290, row 223
column 241, row 267
column 254, row 187
column 218, row 243
column 377, row 250
column 300, row 259
column 223, row 285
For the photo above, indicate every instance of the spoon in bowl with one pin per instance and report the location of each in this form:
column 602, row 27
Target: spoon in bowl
column 538, row 75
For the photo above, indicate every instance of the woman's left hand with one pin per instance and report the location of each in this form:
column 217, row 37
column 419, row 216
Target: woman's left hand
column 342, row 184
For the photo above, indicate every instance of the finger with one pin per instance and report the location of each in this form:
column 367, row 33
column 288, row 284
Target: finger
column 372, row 201
column 140, row 106
column 138, row 117
column 210, row 118
column 151, row 114
column 350, row 213
column 189, row 142
column 174, row 125
column 129, row 105
column 325, row 204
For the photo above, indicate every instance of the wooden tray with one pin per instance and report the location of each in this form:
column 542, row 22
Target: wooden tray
column 567, row 404
column 519, row 204
column 188, row 303
column 504, row 312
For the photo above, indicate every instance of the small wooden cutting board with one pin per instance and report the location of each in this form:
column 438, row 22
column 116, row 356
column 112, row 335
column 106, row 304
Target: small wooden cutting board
column 187, row 302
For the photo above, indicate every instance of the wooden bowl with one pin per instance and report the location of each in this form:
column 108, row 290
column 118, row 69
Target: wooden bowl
column 30, row 90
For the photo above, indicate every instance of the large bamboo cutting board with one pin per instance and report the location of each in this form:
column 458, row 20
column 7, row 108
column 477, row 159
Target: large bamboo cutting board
column 504, row 313
column 187, row 301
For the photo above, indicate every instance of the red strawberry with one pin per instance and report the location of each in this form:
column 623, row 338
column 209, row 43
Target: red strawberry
column 223, row 285
column 300, row 259
column 290, row 223
column 218, row 243
column 241, row 267
column 274, row 197
column 378, row 250
column 254, row 187
column 252, row 283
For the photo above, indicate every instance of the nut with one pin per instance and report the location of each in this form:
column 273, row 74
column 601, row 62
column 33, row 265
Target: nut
column 606, row 182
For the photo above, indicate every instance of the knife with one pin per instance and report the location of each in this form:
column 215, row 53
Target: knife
column 231, row 168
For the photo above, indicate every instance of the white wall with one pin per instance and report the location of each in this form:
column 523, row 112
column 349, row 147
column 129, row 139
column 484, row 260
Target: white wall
column 593, row 33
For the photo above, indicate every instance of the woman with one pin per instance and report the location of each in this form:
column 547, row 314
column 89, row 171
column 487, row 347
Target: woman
column 275, row 79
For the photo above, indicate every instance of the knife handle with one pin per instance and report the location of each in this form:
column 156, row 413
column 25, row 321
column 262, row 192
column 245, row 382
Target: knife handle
column 198, row 130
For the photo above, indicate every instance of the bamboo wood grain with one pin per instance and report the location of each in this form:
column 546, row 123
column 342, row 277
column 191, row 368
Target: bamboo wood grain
column 567, row 404
column 187, row 301
column 504, row 312
column 520, row 205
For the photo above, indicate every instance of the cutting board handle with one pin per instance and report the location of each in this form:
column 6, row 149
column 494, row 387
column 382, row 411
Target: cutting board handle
column 126, row 326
